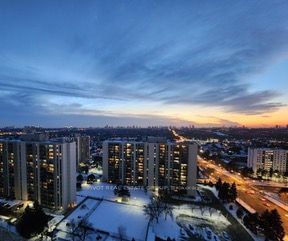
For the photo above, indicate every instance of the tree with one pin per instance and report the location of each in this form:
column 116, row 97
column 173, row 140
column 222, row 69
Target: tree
column 259, row 172
column 264, row 173
column 81, row 230
column 168, row 210
column 270, row 172
column 239, row 213
column 78, row 185
column 276, row 173
column 91, row 178
column 251, row 221
column 232, row 193
column 218, row 184
column 223, row 193
column 84, row 229
column 156, row 208
column 271, row 225
column 122, row 191
column 163, row 194
column 285, row 174
column 246, row 171
column 80, row 178
column 32, row 222
column 210, row 184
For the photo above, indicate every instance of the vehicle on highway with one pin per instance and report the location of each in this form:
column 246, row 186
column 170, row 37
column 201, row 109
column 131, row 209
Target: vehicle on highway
column 250, row 192
column 267, row 205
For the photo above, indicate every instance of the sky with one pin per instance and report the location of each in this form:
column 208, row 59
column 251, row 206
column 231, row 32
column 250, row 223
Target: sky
column 145, row 63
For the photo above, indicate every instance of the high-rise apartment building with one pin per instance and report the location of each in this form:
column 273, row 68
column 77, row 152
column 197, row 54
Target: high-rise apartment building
column 153, row 164
column 38, row 170
column 265, row 158
column 82, row 148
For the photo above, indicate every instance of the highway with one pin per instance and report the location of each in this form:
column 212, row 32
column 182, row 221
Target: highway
column 247, row 191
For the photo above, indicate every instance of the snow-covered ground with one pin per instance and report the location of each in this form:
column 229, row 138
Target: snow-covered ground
column 166, row 228
column 106, row 191
column 233, row 213
column 207, row 214
column 98, row 171
column 197, row 198
column 109, row 217
column 11, row 203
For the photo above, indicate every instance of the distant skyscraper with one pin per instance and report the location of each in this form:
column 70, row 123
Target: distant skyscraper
column 38, row 170
column 153, row 164
column 266, row 158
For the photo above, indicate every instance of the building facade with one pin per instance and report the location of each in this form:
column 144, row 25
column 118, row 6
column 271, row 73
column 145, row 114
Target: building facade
column 151, row 164
column 38, row 170
column 82, row 149
column 265, row 158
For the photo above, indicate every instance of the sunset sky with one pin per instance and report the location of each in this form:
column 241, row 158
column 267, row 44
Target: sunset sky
column 135, row 62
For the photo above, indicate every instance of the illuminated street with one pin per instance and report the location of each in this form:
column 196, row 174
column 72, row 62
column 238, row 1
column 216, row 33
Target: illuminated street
column 251, row 194
column 119, row 117
column 247, row 190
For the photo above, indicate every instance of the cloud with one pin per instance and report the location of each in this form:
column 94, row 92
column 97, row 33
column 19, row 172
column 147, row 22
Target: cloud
column 23, row 109
column 191, row 54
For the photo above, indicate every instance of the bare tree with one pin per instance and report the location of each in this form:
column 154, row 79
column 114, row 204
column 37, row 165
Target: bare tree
column 79, row 231
column 211, row 211
column 168, row 210
column 156, row 207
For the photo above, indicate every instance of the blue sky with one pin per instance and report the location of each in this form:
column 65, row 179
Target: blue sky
column 92, row 63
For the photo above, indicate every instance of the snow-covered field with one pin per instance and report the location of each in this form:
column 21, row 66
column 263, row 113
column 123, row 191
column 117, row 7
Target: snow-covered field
column 111, row 218
column 207, row 214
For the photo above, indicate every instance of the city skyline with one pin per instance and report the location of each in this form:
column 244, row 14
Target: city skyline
column 144, row 63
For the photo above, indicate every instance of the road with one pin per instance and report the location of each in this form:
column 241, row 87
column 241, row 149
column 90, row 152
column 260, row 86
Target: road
column 247, row 191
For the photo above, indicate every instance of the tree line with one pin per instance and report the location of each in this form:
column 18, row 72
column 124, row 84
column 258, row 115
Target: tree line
column 226, row 192
column 268, row 223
